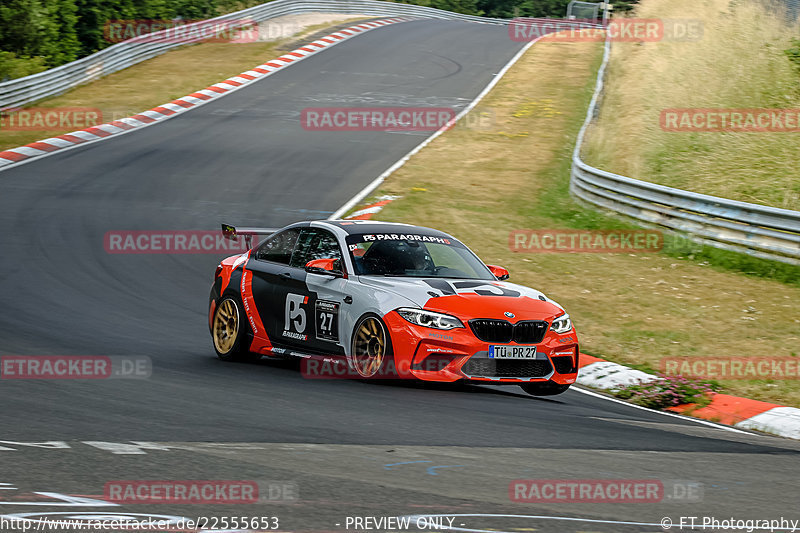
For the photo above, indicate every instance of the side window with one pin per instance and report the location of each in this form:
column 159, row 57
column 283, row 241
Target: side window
column 278, row 248
column 316, row 243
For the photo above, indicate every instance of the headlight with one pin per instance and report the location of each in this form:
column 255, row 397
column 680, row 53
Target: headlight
column 561, row 324
column 429, row 319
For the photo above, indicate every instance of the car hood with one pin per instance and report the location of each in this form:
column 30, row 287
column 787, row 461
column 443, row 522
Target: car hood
column 471, row 298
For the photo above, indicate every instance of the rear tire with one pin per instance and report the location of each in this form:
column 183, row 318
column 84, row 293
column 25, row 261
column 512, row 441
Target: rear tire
column 547, row 388
column 228, row 331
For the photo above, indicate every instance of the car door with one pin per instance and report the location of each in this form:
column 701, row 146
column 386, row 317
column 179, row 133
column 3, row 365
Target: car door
column 312, row 305
column 271, row 270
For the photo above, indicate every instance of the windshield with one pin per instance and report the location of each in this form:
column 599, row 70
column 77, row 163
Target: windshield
column 416, row 256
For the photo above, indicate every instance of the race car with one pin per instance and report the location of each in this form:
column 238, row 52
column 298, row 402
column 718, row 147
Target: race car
column 369, row 300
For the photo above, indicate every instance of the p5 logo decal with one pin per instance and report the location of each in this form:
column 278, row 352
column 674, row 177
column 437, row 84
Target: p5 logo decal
column 295, row 317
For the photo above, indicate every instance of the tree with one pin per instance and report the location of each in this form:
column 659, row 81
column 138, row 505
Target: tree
column 54, row 32
column 23, row 27
column 60, row 39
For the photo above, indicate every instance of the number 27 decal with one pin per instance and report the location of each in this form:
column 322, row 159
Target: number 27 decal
column 327, row 320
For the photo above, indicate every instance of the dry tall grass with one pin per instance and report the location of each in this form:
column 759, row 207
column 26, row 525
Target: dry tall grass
column 479, row 184
column 738, row 63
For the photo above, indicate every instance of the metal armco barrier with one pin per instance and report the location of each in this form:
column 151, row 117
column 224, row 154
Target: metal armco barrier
column 760, row 231
column 757, row 230
column 27, row 90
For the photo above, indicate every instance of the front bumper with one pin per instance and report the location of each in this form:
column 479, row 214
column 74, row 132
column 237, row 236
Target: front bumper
column 457, row 354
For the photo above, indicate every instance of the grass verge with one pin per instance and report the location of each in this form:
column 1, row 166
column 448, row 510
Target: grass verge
column 479, row 184
column 740, row 61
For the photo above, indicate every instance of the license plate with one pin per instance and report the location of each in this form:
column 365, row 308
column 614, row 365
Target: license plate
column 502, row 351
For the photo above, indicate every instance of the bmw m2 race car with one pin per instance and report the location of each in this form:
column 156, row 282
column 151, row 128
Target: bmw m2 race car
column 376, row 299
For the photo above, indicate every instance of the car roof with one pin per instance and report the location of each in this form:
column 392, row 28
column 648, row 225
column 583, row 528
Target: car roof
column 352, row 227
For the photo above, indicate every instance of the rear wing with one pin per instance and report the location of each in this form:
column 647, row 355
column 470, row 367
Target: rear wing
column 232, row 232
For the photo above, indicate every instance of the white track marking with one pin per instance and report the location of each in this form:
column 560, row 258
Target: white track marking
column 49, row 445
column 665, row 413
column 389, row 171
column 134, row 448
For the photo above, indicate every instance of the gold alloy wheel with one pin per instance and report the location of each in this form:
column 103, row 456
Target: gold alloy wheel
column 369, row 347
column 226, row 326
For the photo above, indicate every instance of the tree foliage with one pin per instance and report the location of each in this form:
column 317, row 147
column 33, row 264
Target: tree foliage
column 37, row 34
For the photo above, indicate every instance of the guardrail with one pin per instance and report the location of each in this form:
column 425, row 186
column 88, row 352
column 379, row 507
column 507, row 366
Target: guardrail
column 27, row 90
column 760, row 231
column 757, row 230
column 792, row 10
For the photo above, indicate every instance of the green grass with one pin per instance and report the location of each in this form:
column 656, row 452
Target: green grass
column 556, row 203
column 682, row 248
column 743, row 60
column 634, row 309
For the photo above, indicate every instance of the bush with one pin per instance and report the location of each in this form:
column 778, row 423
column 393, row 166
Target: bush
column 12, row 67
column 60, row 31
column 668, row 391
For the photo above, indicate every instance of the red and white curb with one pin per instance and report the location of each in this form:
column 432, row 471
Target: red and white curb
column 783, row 421
column 372, row 209
column 607, row 375
column 14, row 156
column 595, row 372
column 742, row 413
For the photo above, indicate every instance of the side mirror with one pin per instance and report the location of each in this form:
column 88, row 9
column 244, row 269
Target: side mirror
column 499, row 272
column 325, row 267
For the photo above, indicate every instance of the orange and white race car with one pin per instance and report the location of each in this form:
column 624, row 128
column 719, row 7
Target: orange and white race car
column 375, row 299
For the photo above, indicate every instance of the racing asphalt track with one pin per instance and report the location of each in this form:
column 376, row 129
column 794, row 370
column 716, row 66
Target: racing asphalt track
column 245, row 159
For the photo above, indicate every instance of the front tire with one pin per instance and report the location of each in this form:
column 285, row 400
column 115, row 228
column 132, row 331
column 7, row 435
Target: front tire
column 371, row 347
column 547, row 388
column 228, row 331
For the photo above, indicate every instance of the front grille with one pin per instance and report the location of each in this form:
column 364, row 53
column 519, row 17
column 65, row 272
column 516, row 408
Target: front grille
column 489, row 330
column 530, row 331
column 501, row 331
column 564, row 364
column 507, row 368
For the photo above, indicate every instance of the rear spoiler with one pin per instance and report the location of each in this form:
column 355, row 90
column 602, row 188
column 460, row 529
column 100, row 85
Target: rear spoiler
column 232, row 232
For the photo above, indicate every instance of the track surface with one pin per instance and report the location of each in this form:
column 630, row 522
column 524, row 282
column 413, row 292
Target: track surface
column 245, row 159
